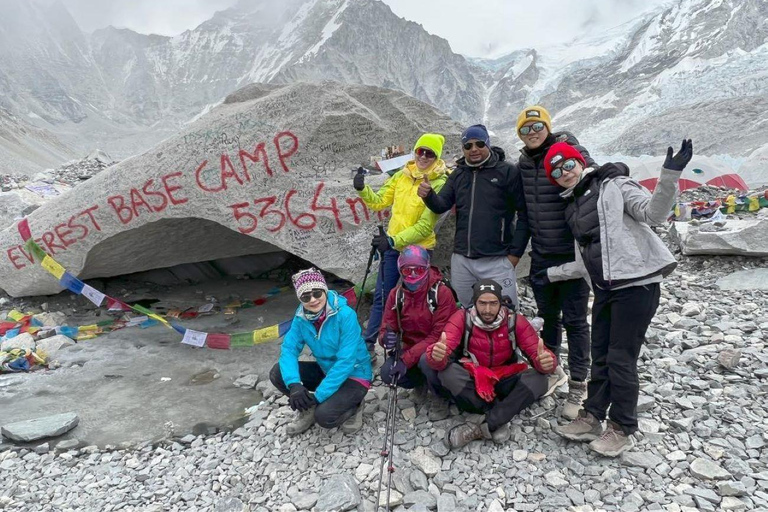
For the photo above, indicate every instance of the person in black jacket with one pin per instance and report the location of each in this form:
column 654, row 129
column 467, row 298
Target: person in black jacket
column 552, row 245
column 488, row 194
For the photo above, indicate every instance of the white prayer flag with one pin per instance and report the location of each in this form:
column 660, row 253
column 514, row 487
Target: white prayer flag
column 93, row 295
column 195, row 338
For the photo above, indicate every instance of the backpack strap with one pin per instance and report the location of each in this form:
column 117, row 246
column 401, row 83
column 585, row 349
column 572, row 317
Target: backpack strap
column 468, row 325
column 432, row 301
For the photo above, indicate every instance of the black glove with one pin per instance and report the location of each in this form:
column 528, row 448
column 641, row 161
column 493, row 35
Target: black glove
column 540, row 278
column 359, row 180
column 300, row 399
column 681, row 159
column 381, row 242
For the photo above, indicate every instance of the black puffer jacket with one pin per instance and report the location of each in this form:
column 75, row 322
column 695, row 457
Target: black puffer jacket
column 487, row 199
column 551, row 240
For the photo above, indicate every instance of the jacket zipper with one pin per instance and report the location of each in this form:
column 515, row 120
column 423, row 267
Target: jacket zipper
column 329, row 315
column 471, row 210
column 607, row 248
column 503, row 222
column 490, row 340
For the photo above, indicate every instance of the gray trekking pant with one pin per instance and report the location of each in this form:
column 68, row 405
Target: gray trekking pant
column 467, row 271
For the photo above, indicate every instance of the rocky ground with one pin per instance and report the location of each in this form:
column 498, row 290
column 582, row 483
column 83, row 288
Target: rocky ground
column 702, row 445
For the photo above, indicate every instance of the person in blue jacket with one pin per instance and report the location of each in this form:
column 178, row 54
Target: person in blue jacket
column 330, row 390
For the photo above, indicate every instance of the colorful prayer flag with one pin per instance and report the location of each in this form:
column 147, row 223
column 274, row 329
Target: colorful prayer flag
column 243, row 339
column 218, row 341
column 194, row 338
column 53, row 267
column 266, row 334
column 117, row 305
column 72, row 283
column 35, row 250
column 92, row 294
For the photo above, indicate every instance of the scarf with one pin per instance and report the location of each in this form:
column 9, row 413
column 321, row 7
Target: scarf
column 478, row 322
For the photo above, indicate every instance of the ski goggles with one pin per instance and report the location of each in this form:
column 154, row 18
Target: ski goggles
column 567, row 166
column 413, row 271
column 536, row 127
column 314, row 294
column 479, row 143
column 425, row 153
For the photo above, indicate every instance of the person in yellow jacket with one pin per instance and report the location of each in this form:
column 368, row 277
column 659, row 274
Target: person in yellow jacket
column 411, row 222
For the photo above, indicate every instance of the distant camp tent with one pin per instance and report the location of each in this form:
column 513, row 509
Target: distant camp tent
column 755, row 169
column 701, row 171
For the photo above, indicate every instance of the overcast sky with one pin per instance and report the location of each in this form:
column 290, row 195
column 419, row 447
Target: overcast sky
column 479, row 29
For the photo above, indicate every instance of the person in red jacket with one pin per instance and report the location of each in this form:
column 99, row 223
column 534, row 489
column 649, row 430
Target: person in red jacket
column 426, row 305
column 478, row 365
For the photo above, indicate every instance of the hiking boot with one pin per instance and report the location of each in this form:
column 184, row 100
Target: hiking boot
column 555, row 380
column 612, row 442
column 301, row 423
column 584, row 428
column 418, row 395
column 502, row 434
column 577, row 392
column 354, row 422
column 439, row 409
column 464, row 434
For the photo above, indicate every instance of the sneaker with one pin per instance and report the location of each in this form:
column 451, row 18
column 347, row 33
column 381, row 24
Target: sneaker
column 502, row 434
column 354, row 422
column 612, row 442
column 418, row 395
column 464, row 434
column 439, row 409
column 555, row 380
column 301, row 423
column 577, row 392
column 584, row 428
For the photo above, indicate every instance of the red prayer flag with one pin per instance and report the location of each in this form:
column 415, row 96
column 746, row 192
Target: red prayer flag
column 117, row 305
column 24, row 231
column 351, row 297
column 218, row 341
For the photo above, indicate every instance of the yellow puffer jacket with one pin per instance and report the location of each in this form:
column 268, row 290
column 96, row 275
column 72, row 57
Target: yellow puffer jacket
column 411, row 223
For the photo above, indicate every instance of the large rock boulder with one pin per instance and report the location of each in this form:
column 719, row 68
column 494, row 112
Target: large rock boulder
column 267, row 170
column 40, row 428
column 736, row 237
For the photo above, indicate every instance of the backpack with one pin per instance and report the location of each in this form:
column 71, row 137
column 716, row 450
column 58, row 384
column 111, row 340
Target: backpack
column 511, row 324
column 432, row 295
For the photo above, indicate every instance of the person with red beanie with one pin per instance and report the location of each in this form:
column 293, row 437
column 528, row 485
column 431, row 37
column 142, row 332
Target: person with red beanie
column 424, row 303
column 610, row 216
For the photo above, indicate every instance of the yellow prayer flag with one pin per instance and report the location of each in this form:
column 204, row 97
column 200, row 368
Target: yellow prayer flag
column 160, row 319
column 266, row 334
column 85, row 328
column 16, row 315
column 53, row 267
column 754, row 203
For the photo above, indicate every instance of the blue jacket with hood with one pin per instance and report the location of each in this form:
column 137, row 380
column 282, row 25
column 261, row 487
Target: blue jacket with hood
column 338, row 347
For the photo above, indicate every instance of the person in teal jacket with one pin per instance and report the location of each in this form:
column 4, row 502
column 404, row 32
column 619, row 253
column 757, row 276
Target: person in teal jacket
column 330, row 390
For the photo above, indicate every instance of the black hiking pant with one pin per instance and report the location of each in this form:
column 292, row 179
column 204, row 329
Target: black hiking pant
column 571, row 299
column 620, row 319
column 338, row 407
column 513, row 394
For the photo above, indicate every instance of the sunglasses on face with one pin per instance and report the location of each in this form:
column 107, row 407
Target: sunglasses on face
column 314, row 294
column 567, row 166
column 479, row 143
column 425, row 153
column 536, row 127
column 413, row 271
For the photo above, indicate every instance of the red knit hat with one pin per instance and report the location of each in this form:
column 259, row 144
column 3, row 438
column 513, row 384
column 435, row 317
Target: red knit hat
column 559, row 152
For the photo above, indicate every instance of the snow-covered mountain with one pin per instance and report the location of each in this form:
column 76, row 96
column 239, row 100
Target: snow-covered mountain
column 696, row 69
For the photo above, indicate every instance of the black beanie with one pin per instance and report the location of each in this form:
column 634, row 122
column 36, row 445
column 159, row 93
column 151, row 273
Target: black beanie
column 485, row 286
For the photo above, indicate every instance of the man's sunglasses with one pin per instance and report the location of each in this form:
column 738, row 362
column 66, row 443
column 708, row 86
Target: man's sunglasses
column 568, row 165
column 426, row 153
column 413, row 271
column 479, row 143
column 314, row 294
column 536, row 127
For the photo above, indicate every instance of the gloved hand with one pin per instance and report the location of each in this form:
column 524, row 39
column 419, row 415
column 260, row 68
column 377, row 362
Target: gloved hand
column 389, row 340
column 382, row 242
column 398, row 370
column 540, row 278
column 681, row 159
column 300, row 398
column 359, row 180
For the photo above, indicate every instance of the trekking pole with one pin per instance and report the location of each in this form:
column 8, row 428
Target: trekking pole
column 390, row 424
column 367, row 271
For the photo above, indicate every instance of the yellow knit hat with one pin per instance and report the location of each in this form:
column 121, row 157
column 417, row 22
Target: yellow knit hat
column 534, row 113
column 433, row 141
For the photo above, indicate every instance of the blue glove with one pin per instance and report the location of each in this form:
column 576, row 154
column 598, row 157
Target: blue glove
column 389, row 340
column 398, row 370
